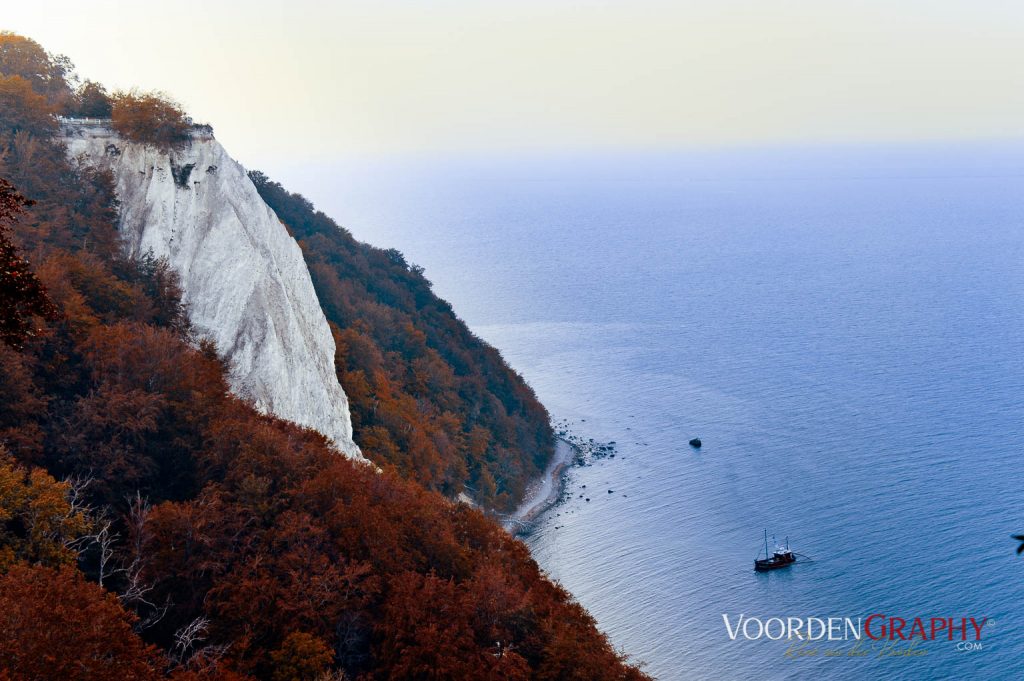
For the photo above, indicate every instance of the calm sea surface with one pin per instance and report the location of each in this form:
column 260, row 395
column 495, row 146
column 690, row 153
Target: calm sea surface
column 843, row 329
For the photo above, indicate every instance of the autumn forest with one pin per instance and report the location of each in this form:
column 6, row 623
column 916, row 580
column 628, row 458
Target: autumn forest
column 152, row 525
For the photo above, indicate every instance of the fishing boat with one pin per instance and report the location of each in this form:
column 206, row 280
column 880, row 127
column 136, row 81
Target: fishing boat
column 781, row 557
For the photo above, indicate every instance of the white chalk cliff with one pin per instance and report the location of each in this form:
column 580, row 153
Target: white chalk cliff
column 245, row 282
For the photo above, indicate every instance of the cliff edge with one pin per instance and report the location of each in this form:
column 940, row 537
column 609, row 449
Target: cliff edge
column 245, row 282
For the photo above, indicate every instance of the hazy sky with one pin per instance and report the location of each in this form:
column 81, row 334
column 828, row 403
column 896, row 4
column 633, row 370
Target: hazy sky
column 305, row 79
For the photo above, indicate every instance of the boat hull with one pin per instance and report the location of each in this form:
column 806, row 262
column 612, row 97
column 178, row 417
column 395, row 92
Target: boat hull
column 764, row 565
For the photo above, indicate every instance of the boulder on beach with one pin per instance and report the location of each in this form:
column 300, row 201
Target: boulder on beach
column 695, row 443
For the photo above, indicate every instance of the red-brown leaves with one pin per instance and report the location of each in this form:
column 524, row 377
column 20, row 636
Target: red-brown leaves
column 56, row 625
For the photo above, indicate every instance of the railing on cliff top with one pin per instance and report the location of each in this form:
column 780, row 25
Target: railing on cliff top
column 70, row 120
column 200, row 131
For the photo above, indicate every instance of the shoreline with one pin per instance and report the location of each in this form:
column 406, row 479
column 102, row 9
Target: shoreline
column 544, row 492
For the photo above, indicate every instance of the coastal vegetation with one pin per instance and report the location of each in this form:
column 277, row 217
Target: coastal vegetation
column 428, row 397
column 154, row 526
column 148, row 117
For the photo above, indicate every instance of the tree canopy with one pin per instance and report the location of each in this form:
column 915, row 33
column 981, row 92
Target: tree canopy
column 150, row 118
column 49, row 75
column 92, row 101
column 22, row 295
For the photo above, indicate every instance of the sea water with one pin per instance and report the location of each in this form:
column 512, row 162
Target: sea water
column 843, row 328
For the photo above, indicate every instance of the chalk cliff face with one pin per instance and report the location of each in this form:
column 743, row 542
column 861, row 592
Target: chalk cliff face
column 245, row 282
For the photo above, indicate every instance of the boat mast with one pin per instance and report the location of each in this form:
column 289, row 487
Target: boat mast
column 766, row 554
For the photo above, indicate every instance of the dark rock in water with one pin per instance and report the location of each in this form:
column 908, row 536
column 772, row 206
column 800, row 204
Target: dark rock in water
column 588, row 499
column 695, row 443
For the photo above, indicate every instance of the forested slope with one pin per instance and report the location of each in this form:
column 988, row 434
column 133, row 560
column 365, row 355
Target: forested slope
column 154, row 526
column 427, row 396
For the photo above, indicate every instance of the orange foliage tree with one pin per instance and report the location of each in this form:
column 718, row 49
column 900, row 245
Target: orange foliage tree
column 301, row 657
column 38, row 522
column 150, row 117
column 48, row 74
column 23, row 110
